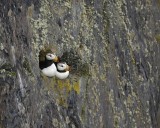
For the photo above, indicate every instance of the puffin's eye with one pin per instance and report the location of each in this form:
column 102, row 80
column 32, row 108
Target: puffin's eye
column 61, row 65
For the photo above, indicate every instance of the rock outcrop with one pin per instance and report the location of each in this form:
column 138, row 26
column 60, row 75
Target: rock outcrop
column 113, row 48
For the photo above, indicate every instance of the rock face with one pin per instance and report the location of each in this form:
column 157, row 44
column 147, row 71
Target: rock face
column 113, row 48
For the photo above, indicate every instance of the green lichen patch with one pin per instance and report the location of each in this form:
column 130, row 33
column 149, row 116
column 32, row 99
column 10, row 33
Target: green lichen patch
column 158, row 1
column 11, row 74
column 158, row 38
column 7, row 73
column 85, row 69
column 26, row 65
column 106, row 19
column 83, row 112
column 55, row 123
column 7, row 70
column 6, row 66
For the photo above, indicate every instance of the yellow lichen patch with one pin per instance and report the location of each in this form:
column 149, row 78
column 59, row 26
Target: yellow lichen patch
column 10, row 13
column 60, row 84
column 55, row 122
column 132, row 55
column 158, row 38
column 30, row 11
column 103, row 77
column 68, row 86
column 76, row 87
column 63, row 85
column 62, row 101
column 158, row 2
column 61, row 88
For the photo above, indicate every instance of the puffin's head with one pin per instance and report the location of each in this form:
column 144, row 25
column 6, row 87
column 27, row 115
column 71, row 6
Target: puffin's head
column 63, row 66
column 50, row 56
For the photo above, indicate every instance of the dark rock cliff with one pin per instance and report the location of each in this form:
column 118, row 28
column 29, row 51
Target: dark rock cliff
column 113, row 48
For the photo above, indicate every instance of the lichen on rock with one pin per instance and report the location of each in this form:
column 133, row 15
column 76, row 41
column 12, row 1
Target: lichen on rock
column 112, row 48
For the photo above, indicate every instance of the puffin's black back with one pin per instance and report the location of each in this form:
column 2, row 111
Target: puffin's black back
column 46, row 63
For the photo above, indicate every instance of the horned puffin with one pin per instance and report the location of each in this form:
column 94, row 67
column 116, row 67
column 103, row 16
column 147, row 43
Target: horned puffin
column 48, row 66
column 62, row 70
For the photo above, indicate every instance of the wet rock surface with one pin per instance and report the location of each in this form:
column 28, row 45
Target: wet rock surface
column 112, row 47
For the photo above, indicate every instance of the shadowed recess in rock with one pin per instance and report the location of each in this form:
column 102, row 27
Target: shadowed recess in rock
column 73, row 59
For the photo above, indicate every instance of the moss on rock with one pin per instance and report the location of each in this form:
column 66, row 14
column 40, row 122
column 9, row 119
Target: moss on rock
column 157, row 38
column 26, row 66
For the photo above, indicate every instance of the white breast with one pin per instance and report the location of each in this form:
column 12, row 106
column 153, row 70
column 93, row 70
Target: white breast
column 62, row 75
column 50, row 71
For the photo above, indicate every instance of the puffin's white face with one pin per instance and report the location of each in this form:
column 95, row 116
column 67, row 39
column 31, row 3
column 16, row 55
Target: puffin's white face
column 50, row 56
column 62, row 67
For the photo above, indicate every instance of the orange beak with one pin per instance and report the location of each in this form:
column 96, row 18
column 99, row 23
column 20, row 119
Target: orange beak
column 56, row 59
column 68, row 68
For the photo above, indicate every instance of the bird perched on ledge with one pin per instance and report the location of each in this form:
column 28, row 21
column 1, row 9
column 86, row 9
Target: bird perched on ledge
column 62, row 70
column 48, row 66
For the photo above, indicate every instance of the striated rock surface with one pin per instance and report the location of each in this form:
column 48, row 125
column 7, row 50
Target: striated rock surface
column 113, row 48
